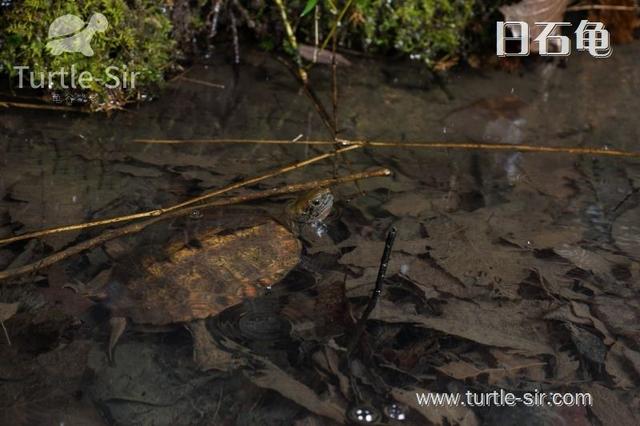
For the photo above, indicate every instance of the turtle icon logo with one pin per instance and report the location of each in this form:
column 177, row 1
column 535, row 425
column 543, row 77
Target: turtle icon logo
column 69, row 33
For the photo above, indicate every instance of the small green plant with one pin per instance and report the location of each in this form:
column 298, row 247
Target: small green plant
column 425, row 30
column 137, row 41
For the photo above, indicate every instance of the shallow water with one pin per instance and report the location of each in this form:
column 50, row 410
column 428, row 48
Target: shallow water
column 510, row 270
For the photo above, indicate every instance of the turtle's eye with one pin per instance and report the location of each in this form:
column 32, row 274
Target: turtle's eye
column 316, row 202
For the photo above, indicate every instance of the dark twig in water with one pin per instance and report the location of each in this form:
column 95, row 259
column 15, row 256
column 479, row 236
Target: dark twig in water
column 315, row 100
column 384, row 262
column 624, row 200
column 139, row 226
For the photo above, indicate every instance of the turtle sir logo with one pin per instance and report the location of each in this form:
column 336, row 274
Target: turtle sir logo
column 69, row 34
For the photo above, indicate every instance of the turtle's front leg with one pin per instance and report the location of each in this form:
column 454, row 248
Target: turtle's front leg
column 118, row 325
column 206, row 353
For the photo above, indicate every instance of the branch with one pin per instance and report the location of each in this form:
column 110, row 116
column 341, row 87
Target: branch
column 466, row 146
column 139, row 226
column 377, row 291
column 165, row 210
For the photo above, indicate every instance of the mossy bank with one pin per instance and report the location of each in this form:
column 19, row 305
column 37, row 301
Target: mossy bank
column 144, row 39
column 137, row 43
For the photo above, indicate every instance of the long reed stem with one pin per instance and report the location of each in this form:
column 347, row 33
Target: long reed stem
column 165, row 210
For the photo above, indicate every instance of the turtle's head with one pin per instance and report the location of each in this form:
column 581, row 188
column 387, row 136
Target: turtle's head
column 311, row 208
column 98, row 22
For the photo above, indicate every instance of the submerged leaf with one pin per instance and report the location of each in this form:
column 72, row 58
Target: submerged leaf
column 321, row 56
column 7, row 310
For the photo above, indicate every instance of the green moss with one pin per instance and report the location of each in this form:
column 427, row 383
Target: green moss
column 423, row 29
column 137, row 40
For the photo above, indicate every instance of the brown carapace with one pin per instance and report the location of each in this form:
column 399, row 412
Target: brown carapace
column 197, row 277
column 197, row 282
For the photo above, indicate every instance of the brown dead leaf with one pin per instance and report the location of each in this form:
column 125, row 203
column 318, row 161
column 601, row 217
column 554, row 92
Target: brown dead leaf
column 368, row 253
column 509, row 325
column 7, row 310
column 566, row 367
column 463, row 246
column 65, row 299
column 580, row 313
column 550, row 176
column 623, row 365
column 328, row 359
column 625, row 232
column 610, row 407
column 513, row 364
column 530, row 222
column 409, row 204
column 586, row 260
column 321, row 314
column 463, row 370
column 272, row 377
column 431, row 279
column 532, row 11
column 588, row 345
column 622, row 316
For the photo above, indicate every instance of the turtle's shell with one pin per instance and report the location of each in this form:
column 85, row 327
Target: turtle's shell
column 65, row 25
column 221, row 270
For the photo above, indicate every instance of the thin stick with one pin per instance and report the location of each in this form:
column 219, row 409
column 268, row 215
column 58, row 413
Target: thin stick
column 214, row 21
column 6, row 334
column 300, row 72
column 293, row 42
column 39, row 106
column 201, row 82
column 311, row 94
column 334, row 27
column 165, row 210
column 602, row 7
column 139, row 226
column 377, row 291
column 605, row 152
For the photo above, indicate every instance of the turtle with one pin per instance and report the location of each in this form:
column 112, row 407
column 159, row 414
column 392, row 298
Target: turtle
column 216, row 267
column 68, row 33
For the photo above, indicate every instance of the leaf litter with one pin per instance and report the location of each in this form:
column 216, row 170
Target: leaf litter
column 520, row 281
